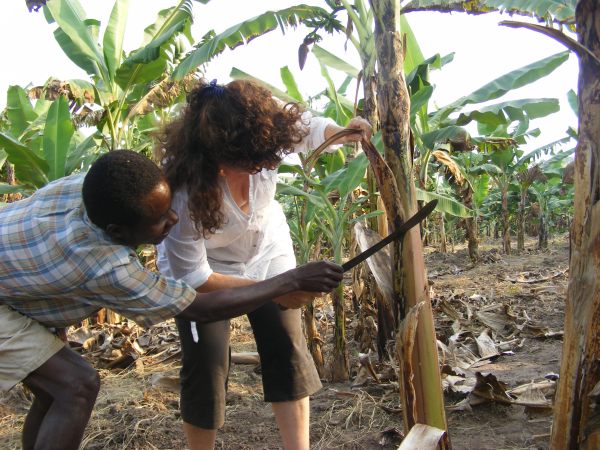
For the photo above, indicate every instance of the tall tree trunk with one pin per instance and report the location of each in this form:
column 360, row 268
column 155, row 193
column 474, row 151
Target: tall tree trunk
column 472, row 238
column 471, row 224
column 385, row 316
column 521, row 223
column 505, row 222
column 420, row 376
column 576, row 414
column 543, row 232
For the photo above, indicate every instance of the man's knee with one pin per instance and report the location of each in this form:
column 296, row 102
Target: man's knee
column 82, row 385
column 66, row 377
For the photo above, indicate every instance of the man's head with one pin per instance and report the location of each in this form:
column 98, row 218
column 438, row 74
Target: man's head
column 126, row 195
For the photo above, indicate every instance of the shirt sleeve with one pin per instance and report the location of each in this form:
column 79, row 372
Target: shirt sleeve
column 139, row 294
column 182, row 255
column 316, row 133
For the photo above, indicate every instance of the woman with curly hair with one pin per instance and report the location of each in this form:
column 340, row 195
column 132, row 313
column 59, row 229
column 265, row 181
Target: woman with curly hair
column 220, row 157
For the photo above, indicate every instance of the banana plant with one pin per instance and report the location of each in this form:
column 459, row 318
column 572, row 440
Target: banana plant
column 42, row 145
column 123, row 84
column 330, row 209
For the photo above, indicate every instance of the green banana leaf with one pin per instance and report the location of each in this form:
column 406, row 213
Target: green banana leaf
column 414, row 55
column 112, row 44
column 57, row 137
column 237, row 74
column 30, row 169
column 148, row 63
column 443, row 135
column 500, row 86
column 81, row 155
column 507, row 112
column 242, row 33
column 562, row 10
column 6, row 188
column 481, row 188
column 538, row 152
column 76, row 35
column 288, row 189
column 348, row 178
column 19, row 110
column 445, row 204
column 333, row 61
column 573, row 101
column 343, row 110
column 290, row 84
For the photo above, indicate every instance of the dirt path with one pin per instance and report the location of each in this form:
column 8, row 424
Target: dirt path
column 519, row 299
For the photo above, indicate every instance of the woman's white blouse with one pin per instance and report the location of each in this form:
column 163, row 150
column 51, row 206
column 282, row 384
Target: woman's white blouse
column 246, row 243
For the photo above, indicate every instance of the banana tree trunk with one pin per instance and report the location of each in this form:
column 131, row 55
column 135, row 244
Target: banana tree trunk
column 339, row 366
column 543, row 232
column 313, row 339
column 521, row 222
column 385, row 316
column 442, row 228
column 471, row 224
column 576, row 414
column 472, row 238
column 505, row 222
column 420, row 381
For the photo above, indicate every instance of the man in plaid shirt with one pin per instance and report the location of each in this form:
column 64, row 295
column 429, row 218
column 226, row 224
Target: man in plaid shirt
column 69, row 250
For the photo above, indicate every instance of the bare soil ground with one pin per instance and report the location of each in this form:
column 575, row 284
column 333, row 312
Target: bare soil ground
column 501, row 319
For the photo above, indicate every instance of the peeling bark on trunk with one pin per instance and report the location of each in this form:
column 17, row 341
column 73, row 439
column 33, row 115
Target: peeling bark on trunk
column 576, row 414
column 385, row 316
column 313, row 339
column 420, row 377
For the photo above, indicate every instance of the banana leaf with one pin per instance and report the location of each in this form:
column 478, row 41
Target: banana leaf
column 237, row 74
column 562, row 10
column 333, row 61
column 507, row 112
column 500, row 86
column 243, row 33
column 76, row 35
column 57, row 137
column 445, row 204
column 290, row 84
column 112, row 44
column 349, row 178
column 30, row 169
column 19, row 111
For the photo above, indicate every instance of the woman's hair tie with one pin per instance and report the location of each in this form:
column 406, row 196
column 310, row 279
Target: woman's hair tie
column 214, row 90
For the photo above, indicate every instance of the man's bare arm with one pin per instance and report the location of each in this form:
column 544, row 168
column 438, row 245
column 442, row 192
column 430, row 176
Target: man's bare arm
column 222, row 304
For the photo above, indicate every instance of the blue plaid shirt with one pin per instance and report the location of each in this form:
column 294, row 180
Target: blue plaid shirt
column 58, row 268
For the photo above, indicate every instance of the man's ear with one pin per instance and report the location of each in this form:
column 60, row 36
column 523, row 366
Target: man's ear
column 119, row 233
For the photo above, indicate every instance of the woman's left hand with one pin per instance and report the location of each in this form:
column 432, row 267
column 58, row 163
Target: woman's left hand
column 360, row 124
column 363, row 128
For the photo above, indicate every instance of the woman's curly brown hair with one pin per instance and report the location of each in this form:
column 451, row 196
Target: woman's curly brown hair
column 239, row 125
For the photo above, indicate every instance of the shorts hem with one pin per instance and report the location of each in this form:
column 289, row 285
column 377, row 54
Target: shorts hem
column 51, row 349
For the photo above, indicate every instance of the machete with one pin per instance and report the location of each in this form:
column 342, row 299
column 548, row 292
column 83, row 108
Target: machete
column 398, row 234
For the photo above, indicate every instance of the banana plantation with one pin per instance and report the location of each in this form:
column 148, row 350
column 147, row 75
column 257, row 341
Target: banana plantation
column 478, row 328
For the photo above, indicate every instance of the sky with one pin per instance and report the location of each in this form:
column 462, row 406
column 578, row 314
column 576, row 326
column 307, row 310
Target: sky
column 483, row 51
